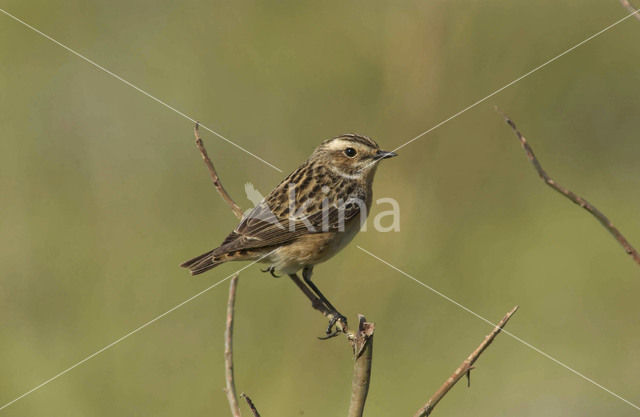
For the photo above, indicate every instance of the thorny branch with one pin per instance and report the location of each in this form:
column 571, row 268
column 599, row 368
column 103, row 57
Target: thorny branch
column 464, row 369
column 630, row 7
column 630, row 250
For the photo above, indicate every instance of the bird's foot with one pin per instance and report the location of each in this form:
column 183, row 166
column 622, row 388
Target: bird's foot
column 338, row 321
column 271, row 270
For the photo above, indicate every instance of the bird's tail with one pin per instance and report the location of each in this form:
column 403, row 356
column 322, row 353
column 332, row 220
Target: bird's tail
column 202, row 263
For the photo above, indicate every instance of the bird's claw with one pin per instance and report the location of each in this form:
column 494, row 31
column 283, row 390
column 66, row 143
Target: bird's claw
column 331, row 331
column 330, row 335
column 271, row 270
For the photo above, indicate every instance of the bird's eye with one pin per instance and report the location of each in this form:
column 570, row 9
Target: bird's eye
column 350, row 152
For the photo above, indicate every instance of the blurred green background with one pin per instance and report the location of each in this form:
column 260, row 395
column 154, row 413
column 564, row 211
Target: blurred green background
column 102, row 195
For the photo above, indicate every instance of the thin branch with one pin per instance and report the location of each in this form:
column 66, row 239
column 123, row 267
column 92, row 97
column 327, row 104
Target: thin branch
column 230, row 389
column 237, row 211
column 571, row 195
column 630, row 7
column 252, row 406
column 362, row 344
column 464, row 369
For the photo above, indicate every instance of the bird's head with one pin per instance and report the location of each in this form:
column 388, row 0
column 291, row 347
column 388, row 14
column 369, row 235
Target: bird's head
column 351, row 155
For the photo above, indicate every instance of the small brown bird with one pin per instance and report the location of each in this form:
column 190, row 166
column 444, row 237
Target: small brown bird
column 309, row 217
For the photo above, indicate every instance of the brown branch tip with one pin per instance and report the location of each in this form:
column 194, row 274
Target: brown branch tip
column 465, row 368
column 251, row 405
column 237, row 211
column 604, row 220
column 362, row 345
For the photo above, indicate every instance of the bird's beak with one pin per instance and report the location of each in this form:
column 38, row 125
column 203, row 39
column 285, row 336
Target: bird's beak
column 384, row 155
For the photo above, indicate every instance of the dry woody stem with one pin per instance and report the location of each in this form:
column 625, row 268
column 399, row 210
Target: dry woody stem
column 464, row 369
column 230, row 389
column 362, row 344
column 630, row 7
column 252, row 407
column 237, row 211
column 630, row 250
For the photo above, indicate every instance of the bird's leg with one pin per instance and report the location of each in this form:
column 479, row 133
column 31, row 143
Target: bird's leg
column 336, row 317
column 315, row 301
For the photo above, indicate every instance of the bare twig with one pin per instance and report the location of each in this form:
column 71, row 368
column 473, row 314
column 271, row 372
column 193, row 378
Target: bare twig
column 464, row 369
column 230, row 388
column 571, row 195
column 630, row 7
column 252, row 406
column 237, row 211
column 362, row 344
column 228, row 350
